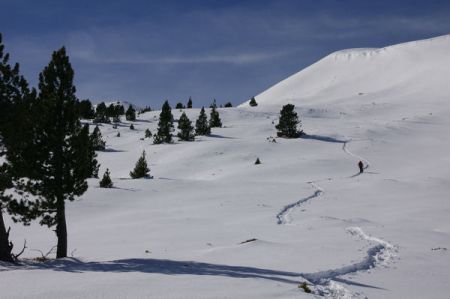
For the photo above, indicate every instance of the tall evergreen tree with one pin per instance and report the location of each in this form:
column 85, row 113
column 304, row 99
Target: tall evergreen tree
column 63, row 155
column 189, row 103
column 165, row 125
column 86, row 110
column 96, row 138
column 15, row 131
column 130, row 114
column 186, row 132
column 214, row 119
column 141, row 169
column 106, row 181
column 201, row 125
column 287, row 125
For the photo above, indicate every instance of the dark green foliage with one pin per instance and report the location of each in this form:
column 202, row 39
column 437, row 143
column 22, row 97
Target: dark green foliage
column 148, row 133
column 165, row 125
column 130, row 114
column 106, row 180
column 118, row 134
column 115, row 111
column 179, row 106
column 213, row 105
column 141, row 169
column 131, row 127
column 257, row 162
column 63, row 156
column 96, row 139
column 189, row 103
column 214, row 119
column 101, row 114
column 253, row 103
column 86, row 110
column 201, row 125
column 305, row 287
column 186, row 129
column 287, row 125
column 228, row 105
column 146, row 109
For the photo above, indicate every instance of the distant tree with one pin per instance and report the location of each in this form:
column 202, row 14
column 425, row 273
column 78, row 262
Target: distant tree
column 141, row 169
column 63, row 156
column 214, row 119
column 131, row 127
column 86, row 110
column 228, row 105
column 186, row 129
column 287, row 125
column 118, row 134
column 165, row 125
column 179, row 106
column 101, row 114
column 253, row 102
column 257, row 162
column 189, row 103
column 96, row 139
column 148, row 133
column 213, row 105
column 201, row 125
column 146, row 109
column 106, row 181
column 130, row 114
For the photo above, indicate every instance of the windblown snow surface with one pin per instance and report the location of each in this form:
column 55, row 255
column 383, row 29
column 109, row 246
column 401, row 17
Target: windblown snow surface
column 380, row 234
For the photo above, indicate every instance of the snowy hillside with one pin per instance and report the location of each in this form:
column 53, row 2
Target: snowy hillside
column 212, row 224
column 348, row 76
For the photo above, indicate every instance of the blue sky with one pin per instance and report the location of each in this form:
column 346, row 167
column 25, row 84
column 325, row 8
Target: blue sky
column 149, row 51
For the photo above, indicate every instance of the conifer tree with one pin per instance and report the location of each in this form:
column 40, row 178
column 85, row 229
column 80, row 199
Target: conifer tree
column 141, row 169
column 253, row 102
column 287, row 125
column 257, row 162
column 63, row 156
column 130, row 114
column 213, row 105
column 165, row 125
column 16, row 129
column 101, row 114
column 106, row 180
column 86, row 110
column 214, row 119
column 228, row 105
column 96, row 139
column 148, row 133
column 131, row 127
column 118, row 134
column 179, row 106
column 186, row 129
column 201, row 125
column 189, row 103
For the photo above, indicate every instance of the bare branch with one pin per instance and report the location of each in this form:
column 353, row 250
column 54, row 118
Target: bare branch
column 16, row 256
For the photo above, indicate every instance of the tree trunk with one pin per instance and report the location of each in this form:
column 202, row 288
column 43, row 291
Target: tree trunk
column 61, row 229
column 5, row 246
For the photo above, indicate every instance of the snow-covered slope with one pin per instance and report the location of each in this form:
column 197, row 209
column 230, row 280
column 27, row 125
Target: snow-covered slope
column 419, row 68
column 381, row 234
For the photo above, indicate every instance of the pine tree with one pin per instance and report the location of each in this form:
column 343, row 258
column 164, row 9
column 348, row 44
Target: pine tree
column 189, row 103
column 179, row 106
column 118, row 134
column 214, row 119
column 97, row 141
column 130, row 114
column 228, row 105
column 63, row 156
column 186, row 129
column 165, row 125
column 257, row 162
column 201, row 125
column 86, row 110
column 131, row 127
column 141, row 169
column 106, row 180
column 213, row 105
column 148, row 133
column 287, row 125
column 253, row 102
column 16, row 129
column 101, row 114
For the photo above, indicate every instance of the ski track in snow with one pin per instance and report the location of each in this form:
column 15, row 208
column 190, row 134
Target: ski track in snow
column 283, row 217
column 345, row 149
column 380, row 254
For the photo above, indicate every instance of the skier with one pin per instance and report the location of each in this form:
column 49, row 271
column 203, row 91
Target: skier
column 361, row 166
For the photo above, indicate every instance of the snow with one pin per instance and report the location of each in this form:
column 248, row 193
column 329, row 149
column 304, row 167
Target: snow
column 380, row 234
